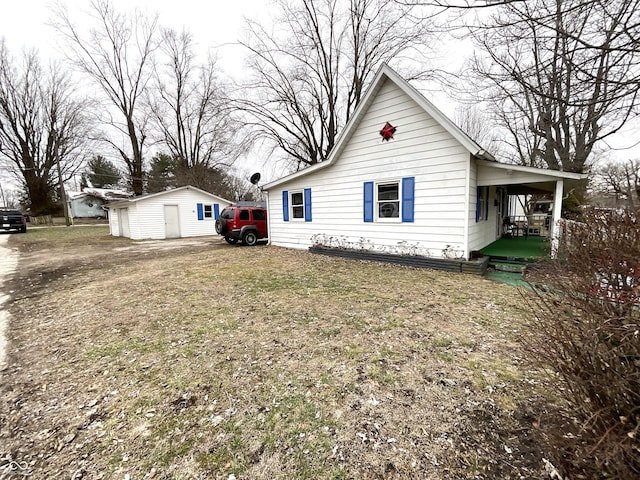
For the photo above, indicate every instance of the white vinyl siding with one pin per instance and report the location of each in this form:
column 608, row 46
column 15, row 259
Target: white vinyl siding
column 483, row 232
column 421, row 148
column 147, row 214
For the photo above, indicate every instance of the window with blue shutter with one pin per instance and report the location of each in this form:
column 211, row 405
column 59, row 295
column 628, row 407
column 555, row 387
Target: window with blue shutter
column 307, row 204
column 216, row 211
column 200, row 209
column 408, row 189
column 393, row 200
column 368, row 201
column 482, row 203
column 486, row 203
column 285, row 205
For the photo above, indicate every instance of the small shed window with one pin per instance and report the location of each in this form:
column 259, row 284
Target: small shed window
column 208, row 211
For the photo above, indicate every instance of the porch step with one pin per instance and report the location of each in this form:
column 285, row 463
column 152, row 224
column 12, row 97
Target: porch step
column 513, row 267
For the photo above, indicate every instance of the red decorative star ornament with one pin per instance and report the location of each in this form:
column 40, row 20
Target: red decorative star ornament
column 387, row 132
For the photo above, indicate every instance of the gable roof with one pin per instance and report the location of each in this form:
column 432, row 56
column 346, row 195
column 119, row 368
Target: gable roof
column 107, row 194
column 129, row 201
column 387, row 73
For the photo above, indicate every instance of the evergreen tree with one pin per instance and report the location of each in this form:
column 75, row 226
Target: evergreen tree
column 102, row 173
column 162, row 174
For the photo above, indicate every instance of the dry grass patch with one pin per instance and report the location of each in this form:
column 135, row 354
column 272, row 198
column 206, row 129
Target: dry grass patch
column 266, row 363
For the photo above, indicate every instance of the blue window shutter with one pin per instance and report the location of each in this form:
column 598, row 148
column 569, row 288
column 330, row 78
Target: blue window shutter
column 368, row 201
column 486, row 203
column 285, row 205
column 200, row 211
column 307, row 204
column 478, row 204
column 216, row 211
column 408, row 188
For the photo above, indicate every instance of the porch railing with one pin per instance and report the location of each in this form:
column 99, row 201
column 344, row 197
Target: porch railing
column 525, row 225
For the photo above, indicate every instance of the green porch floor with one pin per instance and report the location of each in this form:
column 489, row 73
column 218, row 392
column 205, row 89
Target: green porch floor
column 524, row 249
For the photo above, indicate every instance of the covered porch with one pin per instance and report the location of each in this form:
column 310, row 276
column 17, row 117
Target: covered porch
column 530, row 236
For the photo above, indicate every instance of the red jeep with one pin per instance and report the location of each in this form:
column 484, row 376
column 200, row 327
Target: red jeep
column 243, row 222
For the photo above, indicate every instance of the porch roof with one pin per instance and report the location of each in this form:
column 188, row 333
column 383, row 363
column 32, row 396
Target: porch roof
column 521, row 179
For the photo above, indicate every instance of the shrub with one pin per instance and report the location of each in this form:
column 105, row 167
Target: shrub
column 586, row 331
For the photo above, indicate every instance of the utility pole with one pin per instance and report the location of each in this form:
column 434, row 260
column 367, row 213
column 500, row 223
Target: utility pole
column 63, row 195
column 4, row 201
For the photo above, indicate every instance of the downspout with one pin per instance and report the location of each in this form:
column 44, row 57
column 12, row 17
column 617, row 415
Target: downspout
column 556, row 226
column 268, row 221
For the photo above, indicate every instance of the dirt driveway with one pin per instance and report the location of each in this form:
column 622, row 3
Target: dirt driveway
column 40, row 265
column 8, row 262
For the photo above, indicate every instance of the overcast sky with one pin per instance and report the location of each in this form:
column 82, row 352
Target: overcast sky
column 214, row 23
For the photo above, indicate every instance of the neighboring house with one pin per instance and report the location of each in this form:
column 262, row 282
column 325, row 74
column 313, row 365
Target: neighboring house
column 402, row 179
column 181, row 212
column 90, row 202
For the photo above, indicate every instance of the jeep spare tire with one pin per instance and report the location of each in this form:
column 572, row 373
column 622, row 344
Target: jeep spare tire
column 221, row 226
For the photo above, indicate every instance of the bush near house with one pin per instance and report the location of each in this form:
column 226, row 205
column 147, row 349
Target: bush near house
column 587, row 333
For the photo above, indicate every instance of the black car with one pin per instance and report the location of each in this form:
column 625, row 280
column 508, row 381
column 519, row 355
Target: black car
column 12, row 220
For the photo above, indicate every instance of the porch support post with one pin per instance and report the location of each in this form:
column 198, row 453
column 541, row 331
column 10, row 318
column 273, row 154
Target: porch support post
column 557, row 215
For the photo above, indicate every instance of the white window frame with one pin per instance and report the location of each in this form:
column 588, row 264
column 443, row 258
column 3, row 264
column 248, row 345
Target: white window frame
column 207, row 214
column 377, row 202
column 293, row 206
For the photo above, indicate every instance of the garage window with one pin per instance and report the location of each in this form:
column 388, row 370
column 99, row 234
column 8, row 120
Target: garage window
column 206, row 211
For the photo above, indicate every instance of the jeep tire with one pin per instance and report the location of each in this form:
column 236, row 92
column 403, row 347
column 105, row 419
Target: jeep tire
column 250, row 238
column 221, row 226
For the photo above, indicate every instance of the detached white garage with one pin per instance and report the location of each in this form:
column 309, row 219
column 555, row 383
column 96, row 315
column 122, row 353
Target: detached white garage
column 181, row 212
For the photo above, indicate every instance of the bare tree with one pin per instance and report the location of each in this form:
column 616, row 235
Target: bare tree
column 41, row 122
column 565, row 69
column 191, row 113
column 116, row 54
column 310, row 71
column 620, row 180
column 479, row 126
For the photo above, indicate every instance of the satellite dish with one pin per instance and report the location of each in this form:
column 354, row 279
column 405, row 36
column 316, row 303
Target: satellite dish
column 255, row 178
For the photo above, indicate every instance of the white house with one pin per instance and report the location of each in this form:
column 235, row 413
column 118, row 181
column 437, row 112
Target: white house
column 402, row 179
column 90, row 202
column 181, row 212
